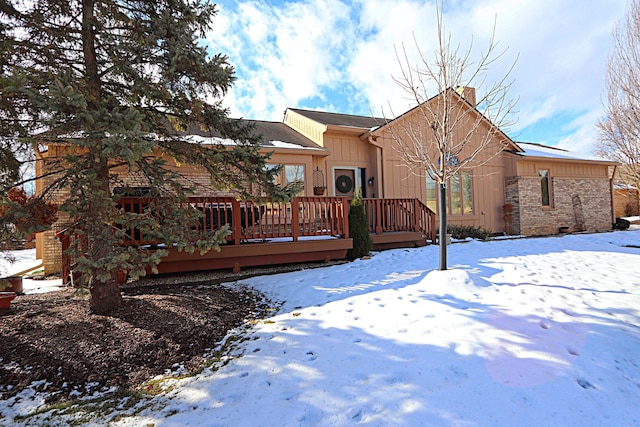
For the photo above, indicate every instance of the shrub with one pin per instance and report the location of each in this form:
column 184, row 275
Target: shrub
column 359, row 229
column 463, row 231
column 621, row 224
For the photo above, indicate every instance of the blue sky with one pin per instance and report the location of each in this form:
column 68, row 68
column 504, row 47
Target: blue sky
column 338, row 55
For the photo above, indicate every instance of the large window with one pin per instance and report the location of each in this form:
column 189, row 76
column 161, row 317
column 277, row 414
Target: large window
column 545, row 189
column 289, row 174
column 432, row 194
column 294, row 173
column 459, row 194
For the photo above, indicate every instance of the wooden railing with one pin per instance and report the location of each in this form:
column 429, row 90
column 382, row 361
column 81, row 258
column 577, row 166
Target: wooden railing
column 396, row 215
column 261, row 221
column 251, row 220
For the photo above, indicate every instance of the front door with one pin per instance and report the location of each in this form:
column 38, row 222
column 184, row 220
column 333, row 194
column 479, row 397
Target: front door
column 345, row 182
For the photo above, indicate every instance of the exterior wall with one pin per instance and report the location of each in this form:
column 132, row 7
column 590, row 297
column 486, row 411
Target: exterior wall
column 580, row 195
column 48, row 246
column 626, row 203
column 305, row 126
column 512, row 197
column 348, row 151
column 488, row 171
column 580, row 204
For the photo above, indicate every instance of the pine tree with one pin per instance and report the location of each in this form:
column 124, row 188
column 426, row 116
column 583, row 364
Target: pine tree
column 115, row 81
column 359, row 228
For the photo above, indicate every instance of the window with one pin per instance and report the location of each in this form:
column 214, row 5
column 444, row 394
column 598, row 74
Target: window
column 544, row 187
column 459, row 194
column 289, row 174
column 467, row 193
column 294, row 173
column 432, row 194
column 455, row 195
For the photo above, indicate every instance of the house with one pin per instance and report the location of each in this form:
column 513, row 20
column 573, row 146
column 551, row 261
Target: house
column 543, row 189
column 519, row 188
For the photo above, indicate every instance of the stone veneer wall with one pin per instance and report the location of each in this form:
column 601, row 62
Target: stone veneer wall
column 579, row 204
column 512, row 196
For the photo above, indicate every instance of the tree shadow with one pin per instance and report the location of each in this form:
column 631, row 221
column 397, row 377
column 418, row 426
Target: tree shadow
column 298, row 370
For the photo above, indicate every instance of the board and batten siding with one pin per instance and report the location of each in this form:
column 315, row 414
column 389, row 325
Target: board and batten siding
column 487, row 172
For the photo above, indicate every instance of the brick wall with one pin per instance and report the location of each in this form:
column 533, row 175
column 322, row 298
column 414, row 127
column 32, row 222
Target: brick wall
column 52, row 257
column 51, row 247
column 512, row 196
column 579, row 204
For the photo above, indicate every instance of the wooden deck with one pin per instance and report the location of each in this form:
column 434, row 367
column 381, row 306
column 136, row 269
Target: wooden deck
column 263, row 233
column 395, row 223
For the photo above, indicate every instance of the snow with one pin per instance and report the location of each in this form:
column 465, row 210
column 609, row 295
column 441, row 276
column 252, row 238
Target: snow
column 527, row 332
column 25, row 260
column 211, row 140
column 19, row 261
column 538, row 150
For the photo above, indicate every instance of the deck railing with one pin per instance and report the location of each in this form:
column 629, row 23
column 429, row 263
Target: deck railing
column 255, row 220
column 252, row 221
column 397, row 215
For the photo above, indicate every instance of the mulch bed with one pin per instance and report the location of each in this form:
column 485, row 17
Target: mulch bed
column 52, row 339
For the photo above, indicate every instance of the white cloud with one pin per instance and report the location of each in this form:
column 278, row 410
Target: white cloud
column 581, row 133
column 339, row 55
column 284, row 54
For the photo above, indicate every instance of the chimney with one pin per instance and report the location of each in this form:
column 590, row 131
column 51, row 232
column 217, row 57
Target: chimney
column 468, row 93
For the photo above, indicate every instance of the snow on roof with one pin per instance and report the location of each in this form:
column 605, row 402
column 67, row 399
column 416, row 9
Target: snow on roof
column 623, row 186
column 214, row 140
column 539, row 150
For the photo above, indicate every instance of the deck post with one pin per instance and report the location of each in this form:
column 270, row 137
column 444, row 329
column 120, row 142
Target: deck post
column 345, row 217
column 236, row 228
column 378, row 206
column 295, row 219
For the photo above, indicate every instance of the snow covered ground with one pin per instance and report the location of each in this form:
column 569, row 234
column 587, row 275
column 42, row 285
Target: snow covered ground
column 25, row 260
column 525, row 332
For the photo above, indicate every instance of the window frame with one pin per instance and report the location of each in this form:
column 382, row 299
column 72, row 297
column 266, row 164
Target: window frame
column 546, row 186
column 464, row 203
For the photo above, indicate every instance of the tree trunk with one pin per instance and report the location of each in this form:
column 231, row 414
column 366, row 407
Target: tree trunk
column 105, row 296
column 442, row 237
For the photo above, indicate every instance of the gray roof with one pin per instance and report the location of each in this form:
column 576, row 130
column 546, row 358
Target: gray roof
column 336, row 119
column 277, row 131
column 270, row 131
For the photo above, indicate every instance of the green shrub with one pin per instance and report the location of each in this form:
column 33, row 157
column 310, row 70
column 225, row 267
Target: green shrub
column 461, row 232
column 359, row 229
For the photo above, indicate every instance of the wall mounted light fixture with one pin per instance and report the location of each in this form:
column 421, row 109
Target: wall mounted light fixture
column 370, row 180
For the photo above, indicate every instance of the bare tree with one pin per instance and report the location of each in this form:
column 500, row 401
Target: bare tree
column 619, row 129
column 460, row 127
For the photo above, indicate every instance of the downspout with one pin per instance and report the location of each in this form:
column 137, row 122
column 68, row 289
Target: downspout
column 613, row 206
column 379, row 166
